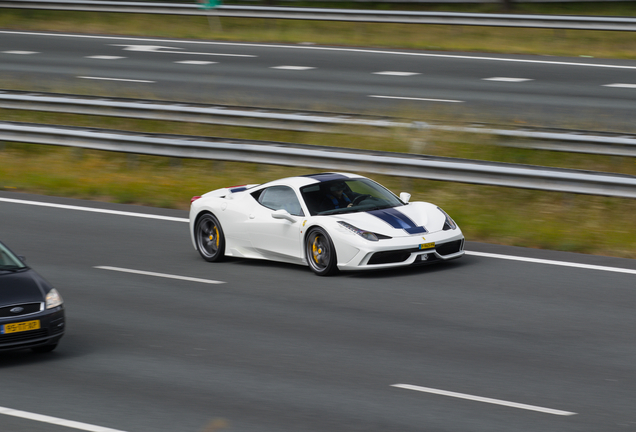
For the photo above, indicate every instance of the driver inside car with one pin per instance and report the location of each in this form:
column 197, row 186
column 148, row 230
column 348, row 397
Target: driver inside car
column 339, row 196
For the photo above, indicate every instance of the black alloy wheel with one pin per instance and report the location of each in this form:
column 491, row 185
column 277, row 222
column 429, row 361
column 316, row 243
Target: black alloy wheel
column 320, row 253
column 209, row 238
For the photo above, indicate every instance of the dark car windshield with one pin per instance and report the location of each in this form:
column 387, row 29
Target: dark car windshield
column 8, row 260
column 347, row 196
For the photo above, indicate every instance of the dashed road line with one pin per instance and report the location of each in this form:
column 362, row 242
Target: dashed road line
column 162, row 275
column 396, row 73
column 20, row 52
column 297, row 68
column 416, row 99
column 104, row 57
column 507, row 79
column 196, row 62
column 620, row 85
column 116, row 79
column 173, row 50
column 484, row 399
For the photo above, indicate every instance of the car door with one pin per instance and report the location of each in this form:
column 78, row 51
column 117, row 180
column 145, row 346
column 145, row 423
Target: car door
column 276, row 238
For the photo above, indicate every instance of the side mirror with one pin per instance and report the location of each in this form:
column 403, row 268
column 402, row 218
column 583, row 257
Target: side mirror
column 283, row 214
column 405, row 197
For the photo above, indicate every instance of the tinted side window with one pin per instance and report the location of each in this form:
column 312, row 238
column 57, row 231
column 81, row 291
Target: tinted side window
column 281, row 197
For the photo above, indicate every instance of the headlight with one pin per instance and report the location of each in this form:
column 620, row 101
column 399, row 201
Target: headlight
column 449, row 224
column 53, row 299
column 364, row 234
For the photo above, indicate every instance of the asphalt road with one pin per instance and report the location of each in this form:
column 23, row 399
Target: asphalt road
column 584, row 93
column 274, row 348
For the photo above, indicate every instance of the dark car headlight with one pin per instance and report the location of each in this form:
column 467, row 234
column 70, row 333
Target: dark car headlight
column 53, row 299
column 449, row 223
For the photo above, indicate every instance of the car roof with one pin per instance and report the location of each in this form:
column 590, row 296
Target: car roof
column 310, row 179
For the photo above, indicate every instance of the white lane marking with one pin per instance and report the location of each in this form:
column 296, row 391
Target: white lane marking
column 186, row 220
column 166, row 50
column 507, row 79
column 104, row 57
column 550, row 262
column 163, row 275
column 306, row 47
column 297, row 68
column 396, row 73
column 115, row 79
column 94, row 210
column 416, row 99
column 55, row 420
column 619, row 85
column 20, row 52
column 196, row 62
column 484, row 399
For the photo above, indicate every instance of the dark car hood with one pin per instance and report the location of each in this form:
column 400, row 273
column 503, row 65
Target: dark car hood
column 22, row 287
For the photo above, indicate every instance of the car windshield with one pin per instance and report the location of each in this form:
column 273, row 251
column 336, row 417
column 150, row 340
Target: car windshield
column 8, row 260
column 347, row 196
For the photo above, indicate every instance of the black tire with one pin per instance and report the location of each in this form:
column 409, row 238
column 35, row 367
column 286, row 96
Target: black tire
column 209, row 238
column 44, row 348
column 320, row 253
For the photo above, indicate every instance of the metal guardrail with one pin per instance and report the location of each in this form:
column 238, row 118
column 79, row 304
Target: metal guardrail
column 405, row 17
column 611, row 144
column 331, row 158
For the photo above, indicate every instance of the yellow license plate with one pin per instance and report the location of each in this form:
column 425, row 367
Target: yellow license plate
column 427, row 245
column 20, row 327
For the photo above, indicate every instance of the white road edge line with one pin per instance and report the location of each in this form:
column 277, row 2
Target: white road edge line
column 94, row 210
column 416, row 98
column 163, row 275
column 55, row 420
column 319, row 48
column 484, row 399
column 550, row 262
column 186, row 220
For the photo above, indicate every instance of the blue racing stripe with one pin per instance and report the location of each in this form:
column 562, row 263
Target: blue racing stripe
column 323, row 177
column 398, row 220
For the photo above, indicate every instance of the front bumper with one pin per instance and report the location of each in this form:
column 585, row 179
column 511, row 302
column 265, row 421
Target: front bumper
column 52, row 327
column 399, row 252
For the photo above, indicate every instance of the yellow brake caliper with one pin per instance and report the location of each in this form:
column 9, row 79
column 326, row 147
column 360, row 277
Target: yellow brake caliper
column 216, row 233
column 316, row 250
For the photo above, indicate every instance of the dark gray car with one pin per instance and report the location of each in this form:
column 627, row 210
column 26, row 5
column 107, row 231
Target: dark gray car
column 31, row 310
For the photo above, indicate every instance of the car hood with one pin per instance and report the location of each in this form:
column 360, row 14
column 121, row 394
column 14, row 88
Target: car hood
column 22, row 287
column 417, row 218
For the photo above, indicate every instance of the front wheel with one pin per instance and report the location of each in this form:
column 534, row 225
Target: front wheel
column 320, row 253
column 209, row 238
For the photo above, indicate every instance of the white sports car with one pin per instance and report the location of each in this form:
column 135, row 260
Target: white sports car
column 328, row 221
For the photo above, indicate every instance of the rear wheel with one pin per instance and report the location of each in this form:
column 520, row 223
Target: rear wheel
column 320, row 253
column 209, row 238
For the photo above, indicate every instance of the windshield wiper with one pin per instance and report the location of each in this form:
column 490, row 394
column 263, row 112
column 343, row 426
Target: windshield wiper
column 11, row 268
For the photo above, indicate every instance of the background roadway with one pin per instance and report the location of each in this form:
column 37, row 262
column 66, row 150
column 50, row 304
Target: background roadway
column 561, row 92
column 276, row 348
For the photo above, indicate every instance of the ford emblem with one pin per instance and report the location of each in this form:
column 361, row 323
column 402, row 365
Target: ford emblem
column 17, row 309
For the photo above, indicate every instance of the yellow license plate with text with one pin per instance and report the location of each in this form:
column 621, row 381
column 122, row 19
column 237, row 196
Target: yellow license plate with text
column 20, row 327
column 427, row 245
